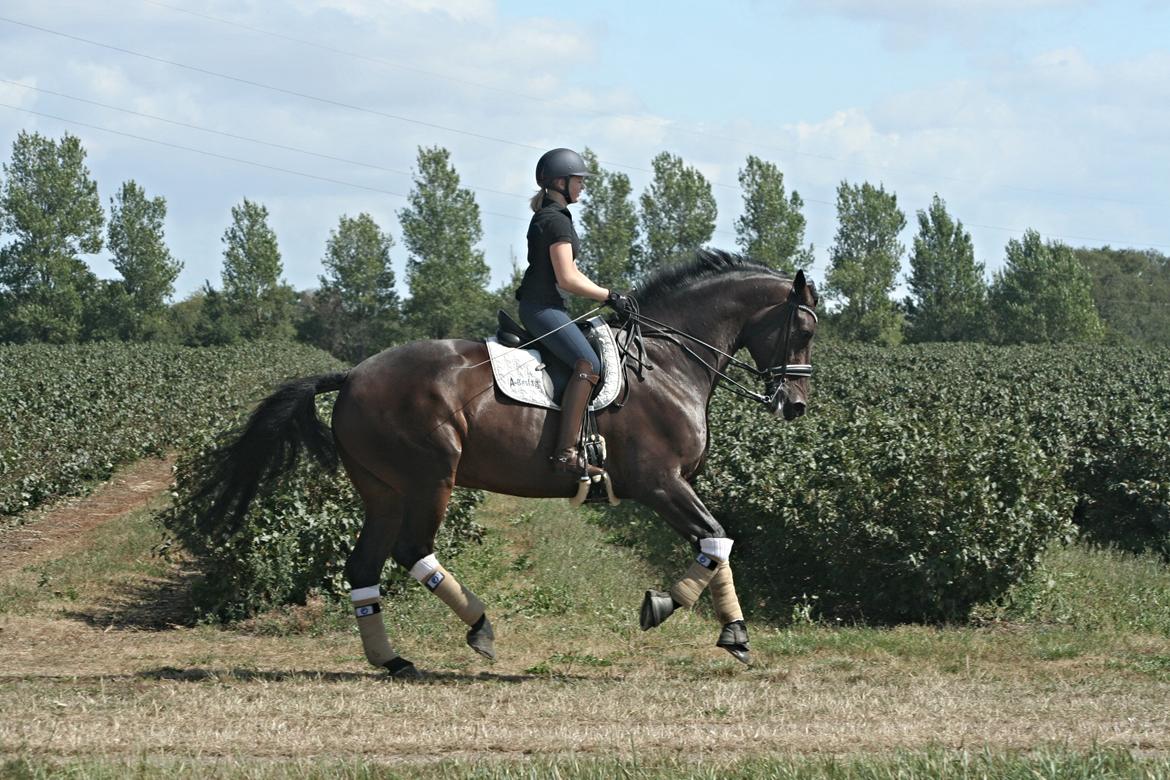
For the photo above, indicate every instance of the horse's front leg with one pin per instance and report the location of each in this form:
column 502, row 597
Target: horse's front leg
column 677, row 503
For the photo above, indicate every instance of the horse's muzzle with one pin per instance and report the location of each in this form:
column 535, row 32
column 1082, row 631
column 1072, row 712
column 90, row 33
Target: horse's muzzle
column 792, row 409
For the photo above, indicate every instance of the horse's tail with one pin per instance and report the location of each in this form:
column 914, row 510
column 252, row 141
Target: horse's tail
column 268, row 445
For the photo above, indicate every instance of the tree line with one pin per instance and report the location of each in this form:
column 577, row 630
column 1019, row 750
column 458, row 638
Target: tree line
column 51, row 215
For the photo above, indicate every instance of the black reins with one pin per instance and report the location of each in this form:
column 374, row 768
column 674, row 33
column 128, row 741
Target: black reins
column 775, row 375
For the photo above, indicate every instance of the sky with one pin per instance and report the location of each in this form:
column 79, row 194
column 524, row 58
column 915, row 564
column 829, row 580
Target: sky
column 1043, row 114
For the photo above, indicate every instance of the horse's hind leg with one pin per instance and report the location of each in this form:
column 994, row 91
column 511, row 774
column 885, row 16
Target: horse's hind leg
column 415, row 551
column 363, row 569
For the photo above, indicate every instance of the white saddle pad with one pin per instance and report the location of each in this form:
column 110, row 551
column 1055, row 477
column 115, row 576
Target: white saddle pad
column 520, row 374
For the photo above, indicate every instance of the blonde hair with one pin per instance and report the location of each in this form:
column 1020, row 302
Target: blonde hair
column 537, row 199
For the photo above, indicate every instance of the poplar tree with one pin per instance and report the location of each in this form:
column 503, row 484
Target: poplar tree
column 447, row 275
column 253, row 293
column 1044, row 294
column 1131, row 288
column 610, row 223
column 948, row 296
column 678, row 213
column 357, row 305
column 771, row 229
column 50, row 213
column 864, row 262
column 136, row 238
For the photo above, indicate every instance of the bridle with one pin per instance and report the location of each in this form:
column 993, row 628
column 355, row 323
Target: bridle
column 775, row 376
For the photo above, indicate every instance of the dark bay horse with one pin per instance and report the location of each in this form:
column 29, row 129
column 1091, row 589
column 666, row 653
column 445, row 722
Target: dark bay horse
column 412, row 422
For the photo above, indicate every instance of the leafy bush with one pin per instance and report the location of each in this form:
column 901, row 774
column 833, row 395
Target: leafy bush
column 1122, row 475
column 1100, row 414
column 926, row 479
column 71, row 414
column 878, row 516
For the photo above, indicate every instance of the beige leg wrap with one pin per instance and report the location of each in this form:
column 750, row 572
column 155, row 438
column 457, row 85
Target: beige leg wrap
column 373, row 631
column 462, row 602
column 723, row 595
column 687, row 590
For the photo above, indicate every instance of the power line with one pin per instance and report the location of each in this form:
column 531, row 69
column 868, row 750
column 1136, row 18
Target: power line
column 252, row 163
column 236, row 137
column 331, row 101
column 376, row 112
column 674, row 126
column 271, row 87
column 1070, row 238
column 233, row 159
column 306, row 95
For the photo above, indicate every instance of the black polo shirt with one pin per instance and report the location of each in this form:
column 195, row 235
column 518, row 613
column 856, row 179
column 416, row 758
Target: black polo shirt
column 551, row 224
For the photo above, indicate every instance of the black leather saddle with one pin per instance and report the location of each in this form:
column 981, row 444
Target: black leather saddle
column 512, row 334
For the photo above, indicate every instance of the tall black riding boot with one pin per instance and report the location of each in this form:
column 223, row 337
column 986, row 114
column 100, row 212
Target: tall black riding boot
column 567, row 457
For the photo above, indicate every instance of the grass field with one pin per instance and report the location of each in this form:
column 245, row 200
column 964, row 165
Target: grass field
column 100, row 676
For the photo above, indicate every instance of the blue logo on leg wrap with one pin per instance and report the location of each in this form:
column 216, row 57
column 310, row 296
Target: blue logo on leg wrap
column 366, row 610
column 707, row 563
column 434, row 580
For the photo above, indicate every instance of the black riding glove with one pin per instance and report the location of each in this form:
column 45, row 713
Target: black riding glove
column 623, row 304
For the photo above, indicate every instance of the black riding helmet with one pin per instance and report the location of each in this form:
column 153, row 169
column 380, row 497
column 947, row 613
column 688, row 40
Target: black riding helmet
column 559, row 163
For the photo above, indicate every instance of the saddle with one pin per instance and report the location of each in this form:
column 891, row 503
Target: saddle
column 536, row 377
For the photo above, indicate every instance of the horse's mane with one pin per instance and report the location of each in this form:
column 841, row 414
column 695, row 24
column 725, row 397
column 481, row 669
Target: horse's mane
column 708, row 263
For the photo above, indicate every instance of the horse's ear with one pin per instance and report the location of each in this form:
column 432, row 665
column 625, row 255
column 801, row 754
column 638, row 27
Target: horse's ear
column 798, row 284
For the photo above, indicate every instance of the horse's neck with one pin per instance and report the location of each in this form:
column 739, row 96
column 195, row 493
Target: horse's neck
column 713, row 313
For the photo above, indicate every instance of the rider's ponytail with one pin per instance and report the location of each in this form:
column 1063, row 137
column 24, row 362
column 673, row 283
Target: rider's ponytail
column 537, row 199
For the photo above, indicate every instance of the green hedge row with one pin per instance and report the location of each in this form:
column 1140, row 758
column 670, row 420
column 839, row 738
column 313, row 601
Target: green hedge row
column 70, row 414
column 927, row 479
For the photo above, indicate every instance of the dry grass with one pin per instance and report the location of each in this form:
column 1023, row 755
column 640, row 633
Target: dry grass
column 80, row 691
column 575, row 675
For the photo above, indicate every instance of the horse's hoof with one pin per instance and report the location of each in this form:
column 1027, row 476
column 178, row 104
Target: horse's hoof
column 656, row 607
column 401, row 669
column 481, row 638
column 734, row 639
column 739, row 653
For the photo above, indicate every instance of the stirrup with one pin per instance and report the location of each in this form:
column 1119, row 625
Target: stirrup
column 572, row 461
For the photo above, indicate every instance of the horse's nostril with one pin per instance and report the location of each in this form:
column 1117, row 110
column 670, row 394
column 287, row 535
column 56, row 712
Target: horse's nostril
column 794, row 409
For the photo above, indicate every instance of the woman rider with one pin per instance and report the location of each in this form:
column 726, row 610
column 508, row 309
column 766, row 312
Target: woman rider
column 553, row 248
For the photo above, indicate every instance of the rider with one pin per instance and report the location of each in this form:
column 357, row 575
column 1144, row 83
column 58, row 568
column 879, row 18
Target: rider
column 553, row 248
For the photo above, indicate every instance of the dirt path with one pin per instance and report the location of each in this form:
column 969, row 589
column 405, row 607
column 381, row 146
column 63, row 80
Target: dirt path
column 57, row 529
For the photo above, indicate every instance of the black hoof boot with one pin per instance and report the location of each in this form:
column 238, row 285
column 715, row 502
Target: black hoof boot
column 481, row 638
column 656, row 608
column 401, row 669
column 734, row 639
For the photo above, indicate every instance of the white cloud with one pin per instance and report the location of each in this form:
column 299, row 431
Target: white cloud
column 913, row 23
column 1062, row 122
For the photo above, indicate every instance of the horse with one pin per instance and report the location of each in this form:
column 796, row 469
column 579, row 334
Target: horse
column 414, row 421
